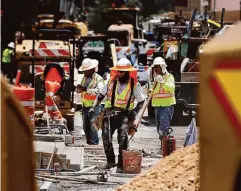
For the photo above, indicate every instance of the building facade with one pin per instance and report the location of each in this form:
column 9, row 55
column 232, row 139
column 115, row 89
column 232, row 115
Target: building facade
column 229, row 5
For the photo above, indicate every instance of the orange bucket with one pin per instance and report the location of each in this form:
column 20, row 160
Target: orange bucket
column 132, row 161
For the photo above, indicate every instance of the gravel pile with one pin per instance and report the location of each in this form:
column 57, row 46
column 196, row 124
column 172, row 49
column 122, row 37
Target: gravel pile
column 177, row 172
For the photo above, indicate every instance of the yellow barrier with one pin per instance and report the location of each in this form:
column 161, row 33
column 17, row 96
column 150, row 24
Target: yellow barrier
column 220, row 98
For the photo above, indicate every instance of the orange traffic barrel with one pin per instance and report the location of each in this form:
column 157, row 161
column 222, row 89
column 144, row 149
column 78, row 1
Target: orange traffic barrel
column 26, row 96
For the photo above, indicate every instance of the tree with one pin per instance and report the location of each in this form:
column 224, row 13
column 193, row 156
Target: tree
column 97, row 10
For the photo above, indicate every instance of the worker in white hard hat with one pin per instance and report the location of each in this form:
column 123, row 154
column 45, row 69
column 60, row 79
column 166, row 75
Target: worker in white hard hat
column 164, row 95
column 121, row 91
column 89, row 88
column 7, row 66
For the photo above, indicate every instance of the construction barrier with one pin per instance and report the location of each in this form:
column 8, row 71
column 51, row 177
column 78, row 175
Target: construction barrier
column 26, row 96
column 220, row 127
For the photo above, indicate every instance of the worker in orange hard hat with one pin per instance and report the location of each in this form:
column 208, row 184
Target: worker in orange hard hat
column 89, row 88
column 121, row 91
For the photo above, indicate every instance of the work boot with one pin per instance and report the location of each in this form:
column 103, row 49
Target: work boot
column 109, row 165
column 119, row 170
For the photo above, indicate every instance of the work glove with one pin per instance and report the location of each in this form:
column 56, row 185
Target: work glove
column 91, row 91
column 91, row 112
column 133, row 127
column 158, row 79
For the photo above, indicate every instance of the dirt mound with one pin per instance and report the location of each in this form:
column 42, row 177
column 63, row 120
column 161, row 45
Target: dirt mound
column 177, row 172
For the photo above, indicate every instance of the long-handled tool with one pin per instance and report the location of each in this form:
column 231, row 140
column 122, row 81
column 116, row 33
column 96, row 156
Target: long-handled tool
column 114, row 55
column 145, row 106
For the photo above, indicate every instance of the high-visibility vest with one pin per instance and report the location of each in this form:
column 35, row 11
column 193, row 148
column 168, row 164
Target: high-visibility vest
column 122, row 99
column 88, row 99
column 164, row 94
column 7, row 55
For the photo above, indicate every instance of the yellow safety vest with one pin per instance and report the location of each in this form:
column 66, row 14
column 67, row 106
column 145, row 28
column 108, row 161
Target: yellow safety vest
column 164, row 94
column 88, row 99
column 7, row 55
column 122, row 99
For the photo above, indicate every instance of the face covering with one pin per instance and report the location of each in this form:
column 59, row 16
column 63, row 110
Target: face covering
column 164, row 70
column 124, row 78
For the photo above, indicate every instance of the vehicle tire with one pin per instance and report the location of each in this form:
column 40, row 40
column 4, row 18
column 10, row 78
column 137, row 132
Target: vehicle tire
column 70, row 122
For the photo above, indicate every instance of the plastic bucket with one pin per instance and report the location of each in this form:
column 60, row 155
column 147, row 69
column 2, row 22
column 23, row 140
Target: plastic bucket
column 132, row 161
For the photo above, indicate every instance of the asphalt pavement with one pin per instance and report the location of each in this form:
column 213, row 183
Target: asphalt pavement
column 145, row 139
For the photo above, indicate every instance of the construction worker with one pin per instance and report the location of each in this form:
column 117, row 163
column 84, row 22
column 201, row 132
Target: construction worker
column 7, row 61
column 164, row 95
column 120, row 92
column 89, row 88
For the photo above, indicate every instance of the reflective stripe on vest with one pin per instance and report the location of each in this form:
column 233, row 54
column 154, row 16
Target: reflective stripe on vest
column 162, row 97
column 122, row 99
column 87, row 99
column 27, row 103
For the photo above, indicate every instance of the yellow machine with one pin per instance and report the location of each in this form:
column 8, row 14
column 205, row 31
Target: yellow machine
column 55, row 46
column 47, row 22
column 124, row 33
column 50, row 47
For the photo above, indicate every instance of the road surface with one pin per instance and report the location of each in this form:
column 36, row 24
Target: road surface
column 145, row 139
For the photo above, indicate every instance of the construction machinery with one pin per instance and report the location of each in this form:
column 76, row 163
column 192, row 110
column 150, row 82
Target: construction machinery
column 46, row 21
column 125, row 16
column 64, row 75
column 37, row 59
column 95, row 47
column 124, row 27
column 49, row 46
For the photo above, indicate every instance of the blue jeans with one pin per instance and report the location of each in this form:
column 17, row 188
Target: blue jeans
column 91, row 133
column 163, row 116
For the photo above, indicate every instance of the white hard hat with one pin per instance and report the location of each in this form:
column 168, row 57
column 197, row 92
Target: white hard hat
column 11, row 45
column 88, row 64
column 159, row 61
column 123, row 62
column 123, row 65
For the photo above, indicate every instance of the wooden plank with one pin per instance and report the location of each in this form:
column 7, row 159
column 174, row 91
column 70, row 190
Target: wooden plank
column 46, row 179
column 63, row 162
column 46, row 186
column 55, row 150
column 79, row 172
column 38, row 159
